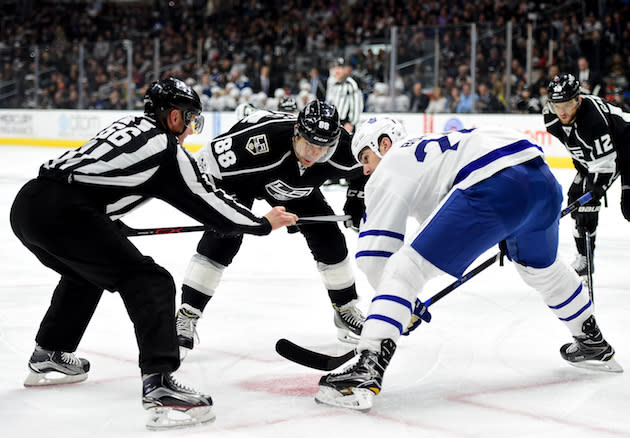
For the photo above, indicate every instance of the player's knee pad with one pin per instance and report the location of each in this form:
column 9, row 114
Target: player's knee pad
column 203, row 274
column 336, row 276
column 562, row 291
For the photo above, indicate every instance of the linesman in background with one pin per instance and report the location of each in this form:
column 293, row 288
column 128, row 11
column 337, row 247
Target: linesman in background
column 66, row 218
column 597, row 135
column 344, row 92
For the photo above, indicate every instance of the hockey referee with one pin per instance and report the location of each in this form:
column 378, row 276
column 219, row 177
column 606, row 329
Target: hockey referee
column 344, row 92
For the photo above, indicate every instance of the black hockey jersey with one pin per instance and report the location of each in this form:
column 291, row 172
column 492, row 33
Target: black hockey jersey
column 135, row 159
column 255, row 159
column 597, row 139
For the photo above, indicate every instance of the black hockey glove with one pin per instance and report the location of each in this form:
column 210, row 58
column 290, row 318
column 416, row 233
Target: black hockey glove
column 420, row 313
column 355, row 207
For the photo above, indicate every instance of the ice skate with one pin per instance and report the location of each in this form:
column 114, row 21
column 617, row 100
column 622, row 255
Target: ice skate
column 349, row 322
column 356, row 386
column 591, row 350
column 580, row 266
column 49, row 367
column 172, row 405
column 187, row 318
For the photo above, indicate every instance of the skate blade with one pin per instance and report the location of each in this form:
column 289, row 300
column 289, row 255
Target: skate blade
column 346, row 336
column 360, row 400
column 168, row 417
column 609, row 366
column 52, row 378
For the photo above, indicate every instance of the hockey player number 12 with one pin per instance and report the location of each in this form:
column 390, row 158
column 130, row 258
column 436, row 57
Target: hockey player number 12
column 603, row 145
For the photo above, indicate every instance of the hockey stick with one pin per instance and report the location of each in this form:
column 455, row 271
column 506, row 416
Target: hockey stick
column 133, row 232
column 325, row 362
column 589, row 266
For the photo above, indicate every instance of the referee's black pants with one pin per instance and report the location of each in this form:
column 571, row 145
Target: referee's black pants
column 70, row 233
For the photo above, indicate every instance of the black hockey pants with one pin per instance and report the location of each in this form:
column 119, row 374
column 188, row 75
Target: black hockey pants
column 60, row 225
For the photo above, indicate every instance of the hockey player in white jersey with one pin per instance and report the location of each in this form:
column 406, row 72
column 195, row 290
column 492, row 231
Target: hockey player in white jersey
column 469, row 190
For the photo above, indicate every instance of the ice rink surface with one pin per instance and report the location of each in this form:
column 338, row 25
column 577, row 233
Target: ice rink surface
column 487, row 365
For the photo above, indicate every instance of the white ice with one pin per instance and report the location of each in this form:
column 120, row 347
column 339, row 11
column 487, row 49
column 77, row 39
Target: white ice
column 487, row 365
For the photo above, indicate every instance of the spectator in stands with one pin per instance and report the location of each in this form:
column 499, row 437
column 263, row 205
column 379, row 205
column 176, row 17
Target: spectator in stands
column 317, row 83
column 453, row 100
column 584, row 73
column 437, row 102
column 487, row 102
column 419, row 100
column 467, row 99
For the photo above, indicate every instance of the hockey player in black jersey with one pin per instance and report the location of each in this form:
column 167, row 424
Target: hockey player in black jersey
column 596, row 134
column 284, row 160
column 65, row 217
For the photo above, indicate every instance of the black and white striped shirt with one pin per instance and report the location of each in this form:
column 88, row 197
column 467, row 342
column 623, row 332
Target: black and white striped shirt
column 348, row 99
column 134, row 159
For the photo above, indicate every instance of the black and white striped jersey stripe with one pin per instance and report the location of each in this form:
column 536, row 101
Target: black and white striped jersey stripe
column 348, row 99
column 134, row 160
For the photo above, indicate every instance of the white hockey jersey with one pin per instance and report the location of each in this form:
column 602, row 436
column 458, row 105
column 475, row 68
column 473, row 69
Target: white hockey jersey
column 417, row 175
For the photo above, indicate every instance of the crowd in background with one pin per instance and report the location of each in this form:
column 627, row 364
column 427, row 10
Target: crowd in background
column 257, row 51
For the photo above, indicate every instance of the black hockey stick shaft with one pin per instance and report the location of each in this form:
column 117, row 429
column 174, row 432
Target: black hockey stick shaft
column 589, row 265
column 324, row 362
column 133, row 232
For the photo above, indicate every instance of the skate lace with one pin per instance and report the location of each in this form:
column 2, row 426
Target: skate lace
column 351, row 314
column 178, row 386
column 186, row 324
column 70, row 359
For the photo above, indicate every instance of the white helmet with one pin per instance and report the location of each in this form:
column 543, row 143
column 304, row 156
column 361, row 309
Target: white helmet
column 370, row 131
column 244, row 109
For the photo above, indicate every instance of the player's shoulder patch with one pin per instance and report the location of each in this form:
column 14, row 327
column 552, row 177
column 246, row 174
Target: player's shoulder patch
column 257, row 144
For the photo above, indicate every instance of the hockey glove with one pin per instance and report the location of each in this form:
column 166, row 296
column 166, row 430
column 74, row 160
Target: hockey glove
column 420, row 313
column 355, row 207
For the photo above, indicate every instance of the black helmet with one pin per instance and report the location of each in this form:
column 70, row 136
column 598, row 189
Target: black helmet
column 318, row 123
column 563, row 87
column 287, row 104
column 171, row 93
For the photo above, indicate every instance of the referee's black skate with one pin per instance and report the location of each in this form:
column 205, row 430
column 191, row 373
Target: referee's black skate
column 48, row 367
column 591, row 350
column 349, row 322
column 172, row 405
column 356, row 386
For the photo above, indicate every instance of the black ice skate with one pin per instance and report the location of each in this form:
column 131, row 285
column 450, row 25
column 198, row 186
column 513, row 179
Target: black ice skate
column 172, row 405
column 187, row 318
column 356, row 386
column 49, row 367
column 591, row 350
column 349, row 322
